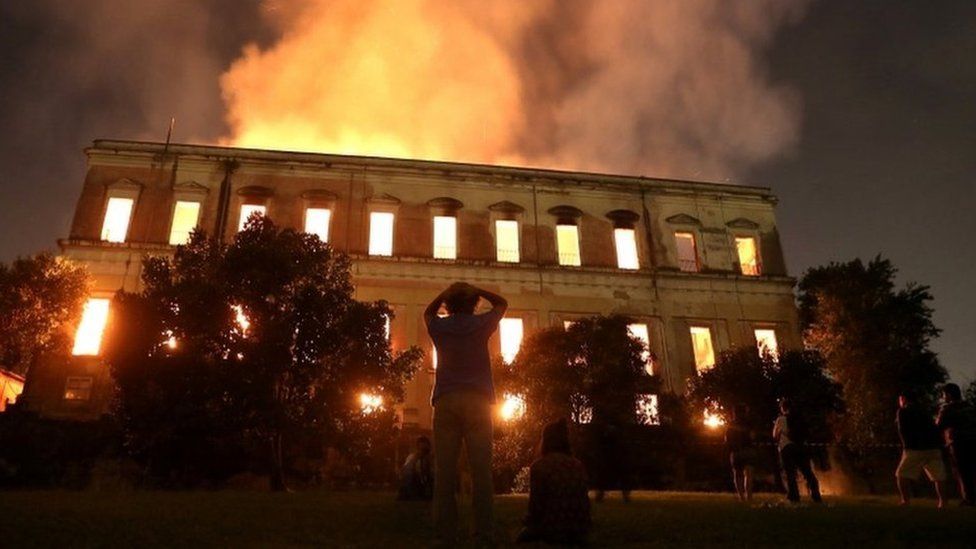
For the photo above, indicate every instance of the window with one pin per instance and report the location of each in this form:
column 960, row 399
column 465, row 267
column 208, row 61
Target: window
column 748, row 255
column 185, row 216
column 381, row 233
column 626, row 241
column 507, row 240
column 567, row 245
column 317, row 222
column 580, row 410
column 647, row 411
column 88, row 337
column 687, row 252
column 78, row 388
column 445, row 237
column 701, row 343
column 510, row 332
column 433, row 357
column 639, row 331
column 118, row 211
column 766, row 342
column 247, row 210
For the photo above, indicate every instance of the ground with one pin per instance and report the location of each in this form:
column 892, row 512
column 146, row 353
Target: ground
column 374, row 519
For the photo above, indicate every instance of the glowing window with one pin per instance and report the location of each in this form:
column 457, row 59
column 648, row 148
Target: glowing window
column 510, row 332
column 386, row 326
column 88, row 338
column 317, row 222
column 247, row 210
column 567, row 324
column 445, row 237
column 701, row 343
column 647, row 411
column 626, row 241
column 78, row 388
column 381, row 233
column 687, row 252
column 766, row 342
column 748, row 256
column 433, row 357
column 639, row 331
column 507, row 240
column 117, row 215
column 567, row 245
column 185, row 216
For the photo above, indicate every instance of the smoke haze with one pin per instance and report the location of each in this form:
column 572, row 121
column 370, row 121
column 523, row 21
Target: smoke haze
column 630, row 86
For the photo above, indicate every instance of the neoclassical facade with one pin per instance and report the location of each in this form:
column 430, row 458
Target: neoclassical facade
column 698, row 266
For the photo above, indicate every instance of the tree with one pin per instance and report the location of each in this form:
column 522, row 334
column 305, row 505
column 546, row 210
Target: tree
column 744, row 377
column 875, row 341
column 254, row 344
column 593, row 370
column 41, row 297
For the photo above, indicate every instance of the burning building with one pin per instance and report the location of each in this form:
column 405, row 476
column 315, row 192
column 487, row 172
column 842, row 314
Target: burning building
column 698, row 266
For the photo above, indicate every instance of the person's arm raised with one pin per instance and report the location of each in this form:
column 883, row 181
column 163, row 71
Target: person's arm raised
column 431, row 311
column 498, row 303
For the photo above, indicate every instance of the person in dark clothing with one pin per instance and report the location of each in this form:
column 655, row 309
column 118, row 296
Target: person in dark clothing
column 559, row 507
column 416, row 475
column 739, row 441
column 613, row 458
column 957, row 421
column 921, row 448
column 789, row 432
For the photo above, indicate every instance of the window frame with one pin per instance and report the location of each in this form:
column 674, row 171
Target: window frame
column 456, row 238
column 677, row 234
column 86, row 391
column 756, row 246
column 692, row 328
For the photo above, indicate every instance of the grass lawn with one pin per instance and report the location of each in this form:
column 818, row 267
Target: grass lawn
column 372, row 519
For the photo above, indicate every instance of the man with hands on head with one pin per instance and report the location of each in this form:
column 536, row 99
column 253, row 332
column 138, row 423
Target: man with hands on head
column 462, row 399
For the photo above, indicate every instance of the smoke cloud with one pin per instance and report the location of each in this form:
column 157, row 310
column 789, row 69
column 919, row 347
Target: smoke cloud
column 663, row 88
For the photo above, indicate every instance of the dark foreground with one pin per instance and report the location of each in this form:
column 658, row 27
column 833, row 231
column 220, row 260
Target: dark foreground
column 372, row 519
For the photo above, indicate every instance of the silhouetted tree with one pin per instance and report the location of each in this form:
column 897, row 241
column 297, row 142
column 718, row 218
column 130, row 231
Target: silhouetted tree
column 230, row 348
column 744, row 377
column 875, row 341
column 41, row 298
column 593, row 370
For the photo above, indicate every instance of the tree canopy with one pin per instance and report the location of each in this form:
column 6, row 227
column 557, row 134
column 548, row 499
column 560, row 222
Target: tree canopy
column 41, row 298
column 255, row 344
column 875, row 340
column 743, row 377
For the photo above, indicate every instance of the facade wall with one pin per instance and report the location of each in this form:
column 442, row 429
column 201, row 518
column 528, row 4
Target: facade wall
column 539, row 290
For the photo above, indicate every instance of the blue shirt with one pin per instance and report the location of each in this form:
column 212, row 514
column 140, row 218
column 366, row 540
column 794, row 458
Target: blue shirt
column 463, row 362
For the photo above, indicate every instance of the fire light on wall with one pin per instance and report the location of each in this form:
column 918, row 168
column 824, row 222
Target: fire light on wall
column 370, row 403
column 512, row 407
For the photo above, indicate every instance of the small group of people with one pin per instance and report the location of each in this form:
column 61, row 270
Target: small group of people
column 559, row 507
column 923, row 441
column 790, row 437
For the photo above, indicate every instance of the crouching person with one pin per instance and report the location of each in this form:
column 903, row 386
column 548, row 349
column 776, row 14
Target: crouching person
column 417, row 475
column 559, row 506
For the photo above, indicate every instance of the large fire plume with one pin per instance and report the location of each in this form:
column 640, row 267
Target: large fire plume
column 666, row 87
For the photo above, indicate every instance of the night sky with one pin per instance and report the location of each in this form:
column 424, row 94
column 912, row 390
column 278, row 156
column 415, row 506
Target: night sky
column 886, row 160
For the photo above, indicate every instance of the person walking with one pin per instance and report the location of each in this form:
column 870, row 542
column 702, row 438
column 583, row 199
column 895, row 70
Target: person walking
column 921, row 448
column 462, row 399
column 739, row 441
column 559, row 506
column 957, row 421
column 789, row 432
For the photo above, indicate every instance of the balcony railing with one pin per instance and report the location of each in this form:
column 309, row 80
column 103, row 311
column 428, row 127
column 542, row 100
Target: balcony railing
column 688, row 265
column 508, row 256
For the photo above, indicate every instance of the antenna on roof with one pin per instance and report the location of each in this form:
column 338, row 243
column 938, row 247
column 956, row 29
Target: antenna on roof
column 169, row 133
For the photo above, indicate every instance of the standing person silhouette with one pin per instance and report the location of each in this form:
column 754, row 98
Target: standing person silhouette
column 789, row 432
column 957, row 421
column 740, row 443
column 462, row 400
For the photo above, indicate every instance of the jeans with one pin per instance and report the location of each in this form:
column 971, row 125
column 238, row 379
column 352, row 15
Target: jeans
column 462, row 416
column 795, row 458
